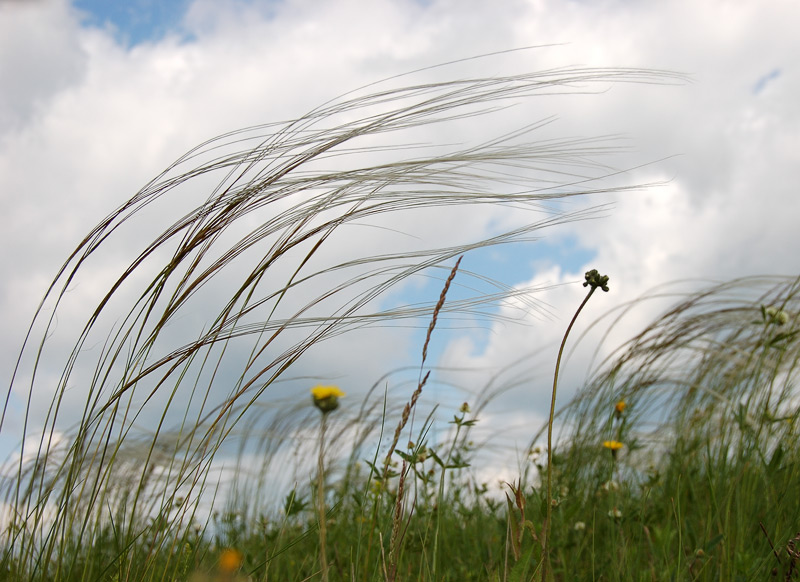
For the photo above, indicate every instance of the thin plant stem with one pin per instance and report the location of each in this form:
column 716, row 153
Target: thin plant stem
column 593, row 280
column 323, row 556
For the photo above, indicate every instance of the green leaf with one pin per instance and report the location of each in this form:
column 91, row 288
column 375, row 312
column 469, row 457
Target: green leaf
column 405, row 456
column 520, row 570
column 713, row 543
column 512, row 520
column 292, row 505
column 776, row 459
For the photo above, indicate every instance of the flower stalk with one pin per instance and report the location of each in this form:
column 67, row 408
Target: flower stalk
column 593, row 281
column 326, row 398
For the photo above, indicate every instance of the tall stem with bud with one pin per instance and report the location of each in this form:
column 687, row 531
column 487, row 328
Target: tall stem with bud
column 593, row 281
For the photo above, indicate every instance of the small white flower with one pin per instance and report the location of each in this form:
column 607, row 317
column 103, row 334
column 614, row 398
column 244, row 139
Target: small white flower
column 579, row 526
column 536, row 452
column 615, row 513
column 610, row 485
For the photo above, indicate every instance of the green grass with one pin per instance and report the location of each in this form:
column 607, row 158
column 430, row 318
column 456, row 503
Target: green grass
column 702, row 493
column 693, row 491
column 126, row 482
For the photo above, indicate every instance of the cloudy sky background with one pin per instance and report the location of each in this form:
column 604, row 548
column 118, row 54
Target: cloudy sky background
column 99, row 97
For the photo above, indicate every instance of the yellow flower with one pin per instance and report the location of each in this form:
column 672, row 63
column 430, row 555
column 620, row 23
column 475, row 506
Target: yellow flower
column 613, row 446
column 326, row 398
column 620, row 406
column 230, row 560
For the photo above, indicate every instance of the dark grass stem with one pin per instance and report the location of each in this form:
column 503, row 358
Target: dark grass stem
column 593, row 281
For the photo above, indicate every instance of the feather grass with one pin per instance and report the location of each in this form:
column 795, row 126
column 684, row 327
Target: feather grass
column 247, row 218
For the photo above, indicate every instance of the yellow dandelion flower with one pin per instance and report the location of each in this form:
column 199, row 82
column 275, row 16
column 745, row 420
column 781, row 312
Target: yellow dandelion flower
column 326, row 398
column 230, row 560
column 613, row 445
column 619, row 407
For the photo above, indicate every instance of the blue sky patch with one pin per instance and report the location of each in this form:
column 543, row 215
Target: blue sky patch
column 134, row 21
column 766, row 80
column 511, row 265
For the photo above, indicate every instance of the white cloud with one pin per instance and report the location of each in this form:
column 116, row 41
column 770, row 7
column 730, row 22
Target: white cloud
column 39, row 56
column 87, row 122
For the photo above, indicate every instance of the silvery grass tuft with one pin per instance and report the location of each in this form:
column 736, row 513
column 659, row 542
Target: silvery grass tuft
column 234, row 284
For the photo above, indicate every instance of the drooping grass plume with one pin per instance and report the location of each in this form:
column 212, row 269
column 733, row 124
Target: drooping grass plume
column 218, row 280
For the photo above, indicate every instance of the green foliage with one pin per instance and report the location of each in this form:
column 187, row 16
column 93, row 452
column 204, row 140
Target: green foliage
column 710, row 493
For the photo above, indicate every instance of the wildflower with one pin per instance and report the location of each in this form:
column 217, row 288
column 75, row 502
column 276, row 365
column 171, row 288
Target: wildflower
column 613, row 446
column 610, row 485
column 619, row 408
column 775, row 316
column 579, row 526
column 535, row 452
column 615, row 513
column 326, row 398
column 376, row 487
column 464, row 408
column 230, row 560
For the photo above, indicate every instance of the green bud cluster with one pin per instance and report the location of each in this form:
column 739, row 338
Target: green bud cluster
column 595, row 279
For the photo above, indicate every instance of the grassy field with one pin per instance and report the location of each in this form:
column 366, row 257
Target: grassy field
column 678, row 460
column 705, row 485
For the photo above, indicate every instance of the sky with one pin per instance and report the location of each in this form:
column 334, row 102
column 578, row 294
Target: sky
column 100, row 97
